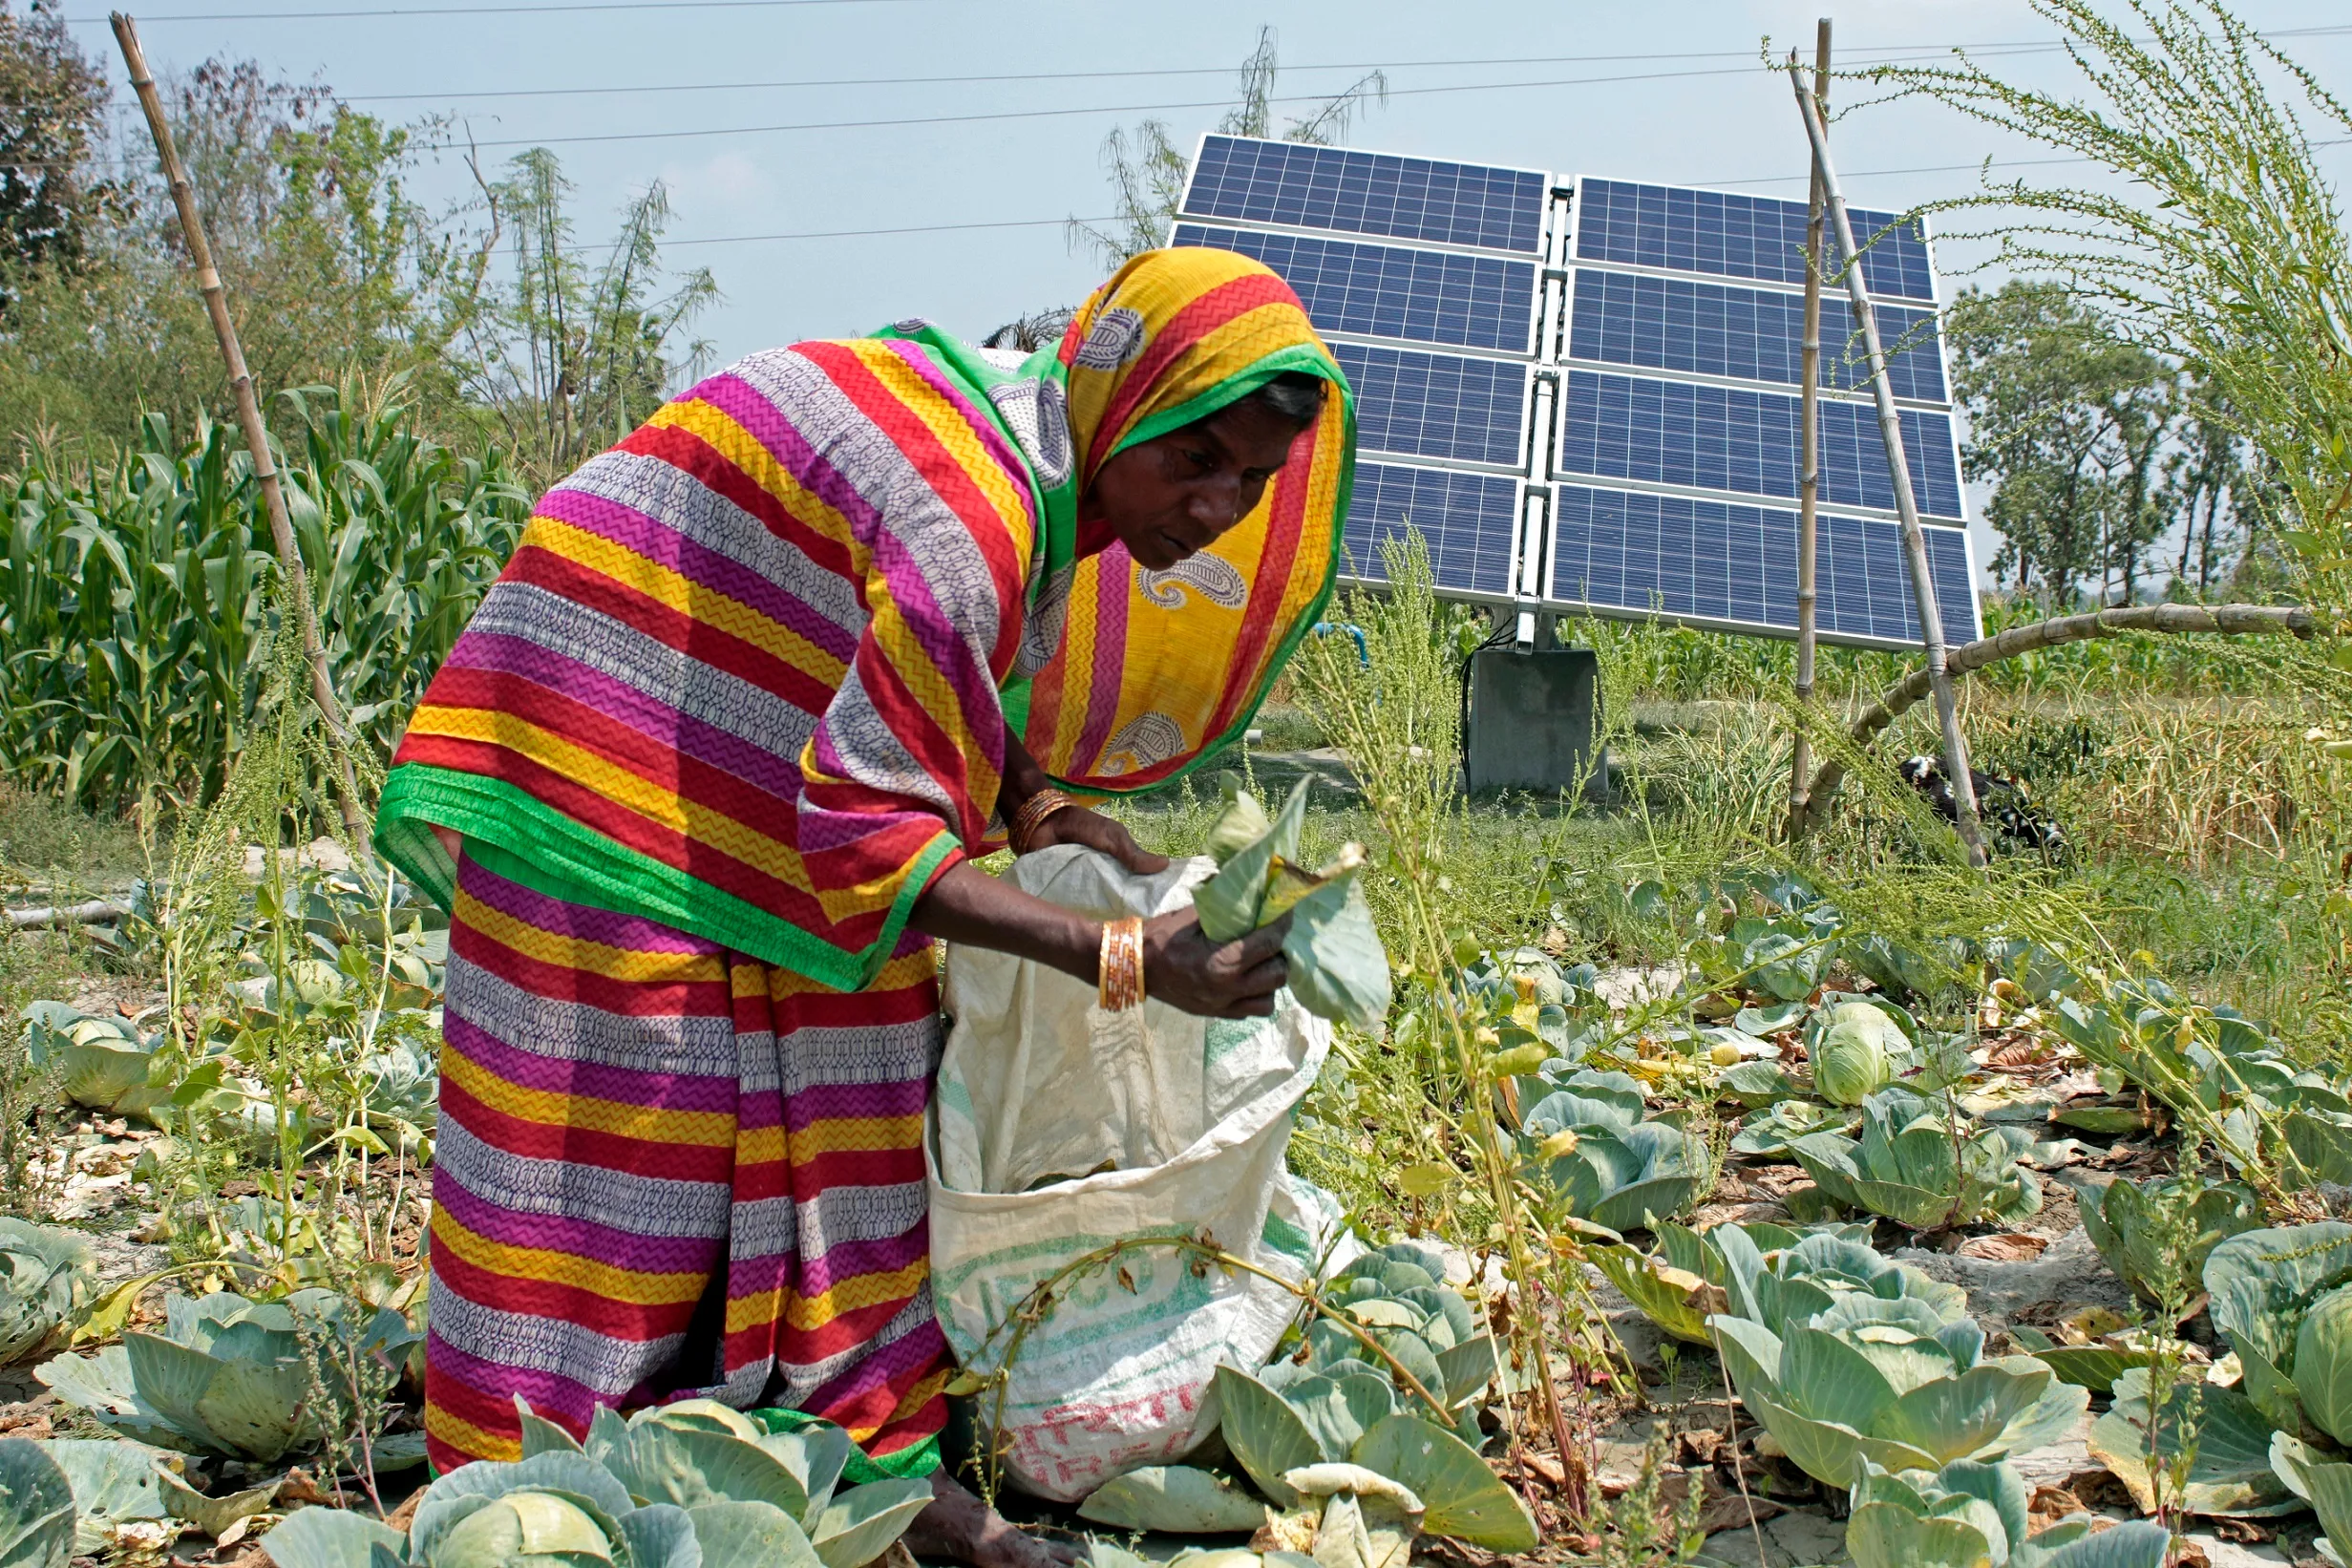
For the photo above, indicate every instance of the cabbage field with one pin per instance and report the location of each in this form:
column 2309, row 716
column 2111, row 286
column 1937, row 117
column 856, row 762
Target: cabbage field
column 1709, row 1198
column 1699, row 1181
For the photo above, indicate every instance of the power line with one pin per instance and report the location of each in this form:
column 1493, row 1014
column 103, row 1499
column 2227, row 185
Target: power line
column 1892, row 56
column 1095, row 108
column 1100, row 76
column 1919, row 52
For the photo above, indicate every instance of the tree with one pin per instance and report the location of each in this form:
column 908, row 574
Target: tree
column 1148, row 171
column 52, row 109
column 2203, row 479
column 2222, row 244
column 311, row 230
column 565, row 356
column 2069, row 424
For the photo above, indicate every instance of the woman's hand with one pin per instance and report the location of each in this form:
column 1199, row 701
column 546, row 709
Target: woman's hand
column 1183, row 968
column 1078, row 825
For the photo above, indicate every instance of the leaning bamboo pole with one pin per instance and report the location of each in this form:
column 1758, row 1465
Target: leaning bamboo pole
column 2182, row 619
column 249, row 415
column 1808, row 451
column 1906, row 504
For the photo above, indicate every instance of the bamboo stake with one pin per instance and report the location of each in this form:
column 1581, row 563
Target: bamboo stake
column 1809, row 453
column 1906, row 505
column 249, row 415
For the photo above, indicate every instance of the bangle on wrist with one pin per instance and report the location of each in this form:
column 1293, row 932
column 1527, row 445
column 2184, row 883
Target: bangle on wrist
column 1120, row 985
column 1033, row 812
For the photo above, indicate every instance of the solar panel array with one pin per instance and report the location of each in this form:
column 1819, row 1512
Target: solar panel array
column 1654, row 331
column 1679, row 420
column 1425, row 278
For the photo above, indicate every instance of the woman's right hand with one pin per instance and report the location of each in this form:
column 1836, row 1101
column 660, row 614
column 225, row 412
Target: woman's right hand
column 1183, row 968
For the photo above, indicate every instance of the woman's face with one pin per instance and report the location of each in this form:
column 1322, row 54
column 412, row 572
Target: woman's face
column 1173, row 496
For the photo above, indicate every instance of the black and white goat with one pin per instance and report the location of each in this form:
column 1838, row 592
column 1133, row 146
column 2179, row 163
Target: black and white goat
column 2003, row 805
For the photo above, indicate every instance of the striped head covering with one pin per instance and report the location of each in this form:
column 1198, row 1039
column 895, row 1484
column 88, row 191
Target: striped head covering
column 1152, row 670
column 751, row 672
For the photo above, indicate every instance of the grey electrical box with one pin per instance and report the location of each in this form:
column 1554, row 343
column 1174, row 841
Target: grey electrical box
column 1533, row 717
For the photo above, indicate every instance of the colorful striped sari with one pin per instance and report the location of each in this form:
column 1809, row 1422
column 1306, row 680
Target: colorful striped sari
column 741, row 695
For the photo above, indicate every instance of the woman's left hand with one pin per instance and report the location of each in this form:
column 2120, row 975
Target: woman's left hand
column 1078, row 825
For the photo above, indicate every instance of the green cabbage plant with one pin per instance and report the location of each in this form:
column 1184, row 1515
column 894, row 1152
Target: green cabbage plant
column 2124, row 1218
column 2325, row 1483
column 1338, row 968
column 1890, row 1381
column 36, row 1507
column 2315, row 1122
column 2095, row 1361
column 227, row 1376
column 1854, row 1055
column 2283, row 1300
column 1318, row 1437
column 2213, row 1446
column 1686, row 1282
column 1179, row 1499
column 1767, row 1134
column 1920, row 1168
column 1587, row 1144
column 102, row 1063
column 2221, row 1064
column 1971, row 1514
column 1398, row 1295
column 674, row 1487
column 48, row 1276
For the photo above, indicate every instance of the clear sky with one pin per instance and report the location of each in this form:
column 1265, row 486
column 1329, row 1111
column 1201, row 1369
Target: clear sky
column 1661, row 90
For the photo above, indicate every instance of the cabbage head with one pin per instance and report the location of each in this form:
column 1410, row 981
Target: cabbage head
column 2266, row 1288
column 1890, row 1381
column 1969, row 1514
column 45, row 1274
column 1917, row 1168
column 1855, row 1057
column 1338, row 968
column 2323, row 1363
column 1240, row 824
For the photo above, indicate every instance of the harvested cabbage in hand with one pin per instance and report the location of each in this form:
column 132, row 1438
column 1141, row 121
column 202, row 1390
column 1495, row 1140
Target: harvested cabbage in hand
column 1241, row 823
column 1338, row 968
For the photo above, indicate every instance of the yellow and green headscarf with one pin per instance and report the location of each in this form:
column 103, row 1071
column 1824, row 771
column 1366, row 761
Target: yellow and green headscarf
column 1129, row 676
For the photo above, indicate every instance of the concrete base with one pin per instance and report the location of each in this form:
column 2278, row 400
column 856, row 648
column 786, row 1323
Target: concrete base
column 1532, row 717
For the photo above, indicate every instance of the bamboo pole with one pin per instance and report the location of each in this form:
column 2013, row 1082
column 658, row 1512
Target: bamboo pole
column 1809, row 453
column 2187, row 620
column 1906, row 505
column 249, row 415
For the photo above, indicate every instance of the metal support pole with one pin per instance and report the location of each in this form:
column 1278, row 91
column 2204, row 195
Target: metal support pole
column 249, row 415
column 1809, row 461
column 1906, row 504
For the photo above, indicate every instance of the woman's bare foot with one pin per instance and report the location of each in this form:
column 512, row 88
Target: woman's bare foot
column 958, row 1525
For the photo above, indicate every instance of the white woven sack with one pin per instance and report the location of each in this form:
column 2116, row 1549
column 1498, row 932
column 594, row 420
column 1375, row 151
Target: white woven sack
column 1058, row 1129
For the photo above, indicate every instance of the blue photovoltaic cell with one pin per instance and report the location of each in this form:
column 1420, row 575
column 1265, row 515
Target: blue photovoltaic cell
column 1640, row 552
column 1448, row 407
column 1757, row 334
column 1301, row 187
column 1729, row 236
column 1729, row 438
column 1421, row 296
column 1469, row 521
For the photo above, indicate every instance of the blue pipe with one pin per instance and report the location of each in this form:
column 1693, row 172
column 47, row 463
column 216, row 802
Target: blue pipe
column 1324, row 629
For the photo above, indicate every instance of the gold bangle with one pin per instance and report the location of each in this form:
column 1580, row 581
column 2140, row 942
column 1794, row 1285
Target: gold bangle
column 1033, row 812
column 1120, row 985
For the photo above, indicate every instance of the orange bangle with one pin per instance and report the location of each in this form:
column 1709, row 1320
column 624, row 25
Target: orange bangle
column 1033, row 811
column 1120, row 985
